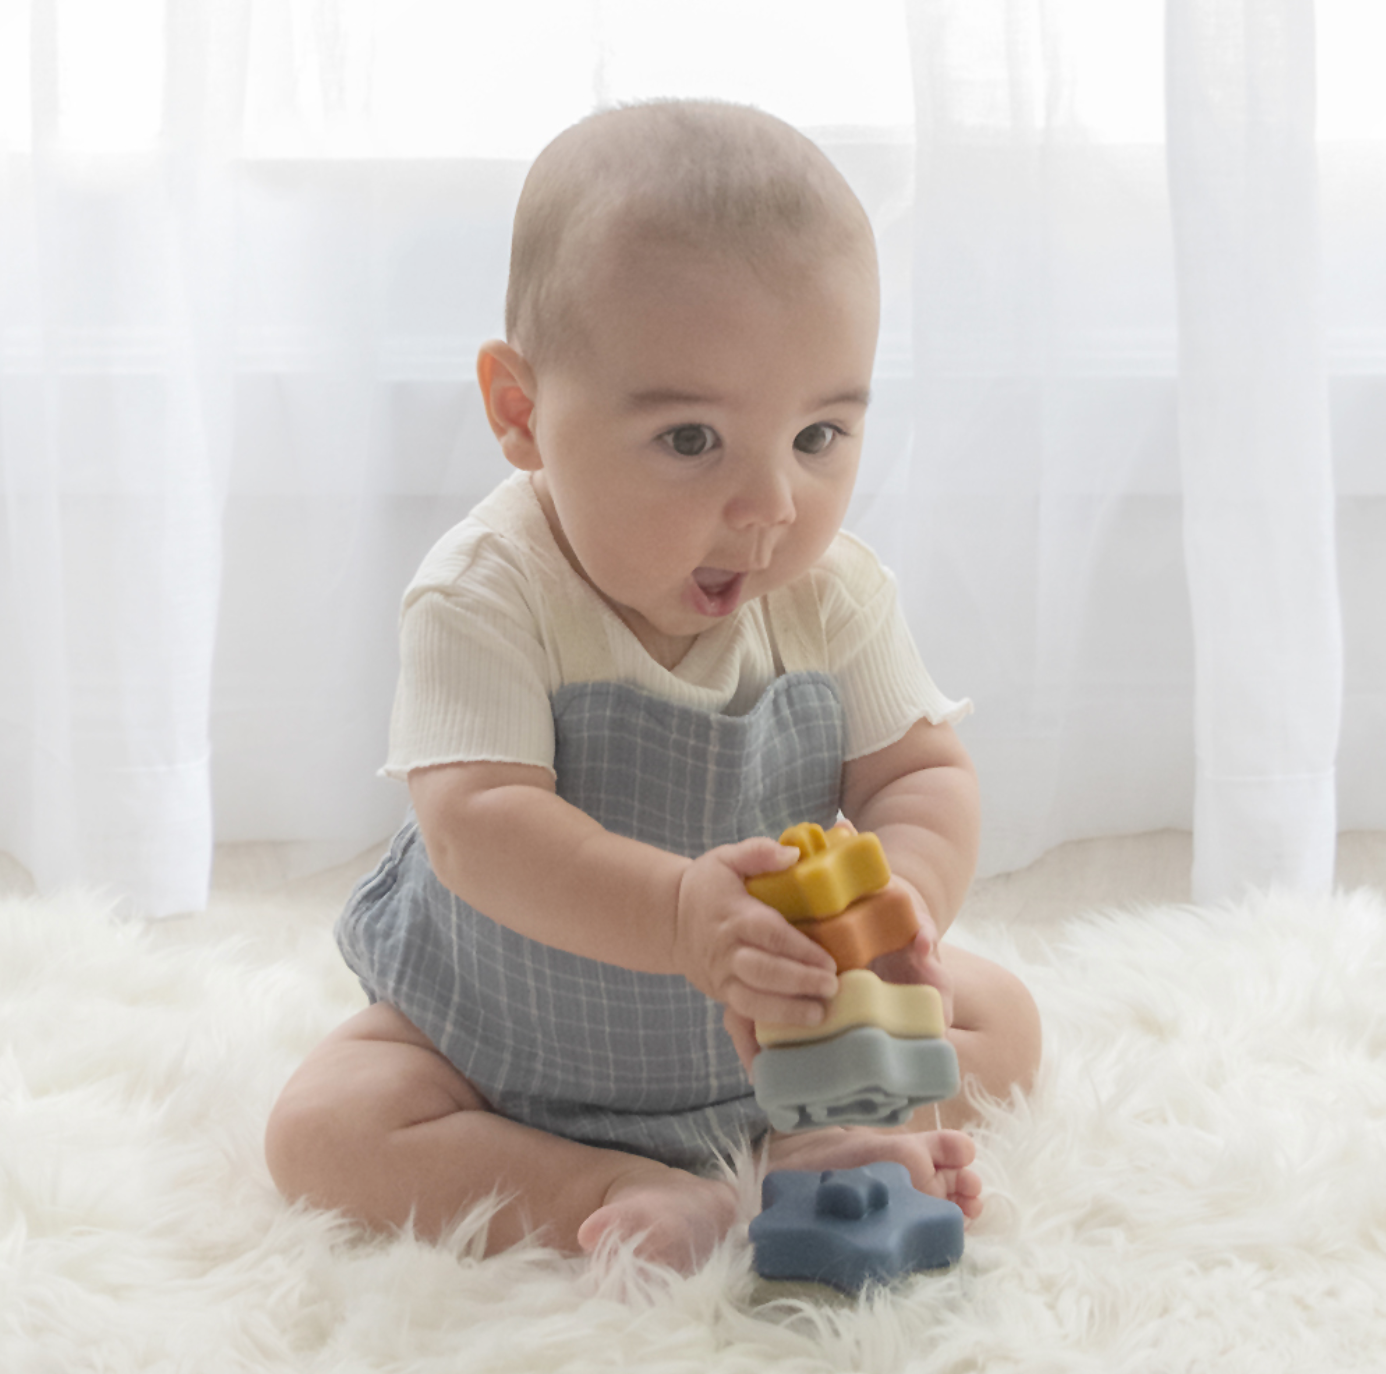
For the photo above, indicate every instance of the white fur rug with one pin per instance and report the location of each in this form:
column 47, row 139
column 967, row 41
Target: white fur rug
column 1198, row 1183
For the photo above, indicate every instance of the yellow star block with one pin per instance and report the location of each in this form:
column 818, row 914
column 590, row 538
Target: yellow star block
column 834, row 869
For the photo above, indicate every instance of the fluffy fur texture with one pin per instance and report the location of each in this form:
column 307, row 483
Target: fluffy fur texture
column 1199, row 1181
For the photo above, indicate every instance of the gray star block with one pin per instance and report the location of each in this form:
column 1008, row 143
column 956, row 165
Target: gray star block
column 847, row 1228
column 863, row 1077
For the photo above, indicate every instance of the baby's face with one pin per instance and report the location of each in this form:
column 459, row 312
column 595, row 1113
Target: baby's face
column 700, row 443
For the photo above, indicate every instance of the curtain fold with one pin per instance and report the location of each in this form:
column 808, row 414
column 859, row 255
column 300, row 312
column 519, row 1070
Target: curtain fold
column 1123, row 467
column 1256, row 458
column 1047, row 572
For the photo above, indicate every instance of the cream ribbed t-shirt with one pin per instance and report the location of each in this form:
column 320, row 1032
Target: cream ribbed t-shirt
column 496, row 620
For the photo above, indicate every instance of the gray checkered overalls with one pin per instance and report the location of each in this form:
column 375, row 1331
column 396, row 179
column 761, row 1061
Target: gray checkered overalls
column 575, row 1047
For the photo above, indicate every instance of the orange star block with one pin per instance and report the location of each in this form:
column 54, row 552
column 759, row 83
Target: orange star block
column 877, row 924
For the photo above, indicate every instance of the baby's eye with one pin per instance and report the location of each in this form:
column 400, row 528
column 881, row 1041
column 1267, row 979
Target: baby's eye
column 691, row 441
column 816, row 438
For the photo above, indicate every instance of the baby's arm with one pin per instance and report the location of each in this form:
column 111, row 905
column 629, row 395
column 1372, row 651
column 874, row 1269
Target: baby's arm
column 919, row 796
column 500, row 837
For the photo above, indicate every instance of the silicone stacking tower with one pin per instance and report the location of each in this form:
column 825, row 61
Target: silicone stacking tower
column 878, row 1054
column 881, row 1051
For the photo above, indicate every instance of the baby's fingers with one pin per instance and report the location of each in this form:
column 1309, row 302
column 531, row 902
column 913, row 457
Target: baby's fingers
column 756, row 1005
column 759, row 854
column 743, row 1037
column 768, row 930
column 765, row 972
column 772, row 987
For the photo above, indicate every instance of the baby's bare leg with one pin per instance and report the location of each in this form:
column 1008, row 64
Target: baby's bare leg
column 996, row 1032
column 378, row 1124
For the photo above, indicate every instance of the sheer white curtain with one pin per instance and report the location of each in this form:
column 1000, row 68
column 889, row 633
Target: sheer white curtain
column 244, row 271
column 116, row 417
column 1123, row 474
column 1256, row 462
column 204, row 508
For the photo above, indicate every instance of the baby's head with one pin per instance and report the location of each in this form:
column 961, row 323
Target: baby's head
column 691, row 327
column 696, row 178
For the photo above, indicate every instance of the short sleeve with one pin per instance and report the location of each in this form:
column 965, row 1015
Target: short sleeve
column 473, row 682
column 870, row 652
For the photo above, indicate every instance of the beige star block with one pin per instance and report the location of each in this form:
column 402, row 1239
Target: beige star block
column 908, row 1011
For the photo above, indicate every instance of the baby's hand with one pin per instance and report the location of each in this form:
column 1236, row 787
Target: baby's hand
column 918, row 961
column 741, row 952
column 743, row 1037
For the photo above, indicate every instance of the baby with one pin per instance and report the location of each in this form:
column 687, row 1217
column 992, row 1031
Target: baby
column 648, row 651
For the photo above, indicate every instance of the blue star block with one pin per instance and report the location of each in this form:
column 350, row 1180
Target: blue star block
column 847, row 1228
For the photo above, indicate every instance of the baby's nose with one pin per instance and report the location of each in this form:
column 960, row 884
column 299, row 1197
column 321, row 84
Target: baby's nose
column 765, row 497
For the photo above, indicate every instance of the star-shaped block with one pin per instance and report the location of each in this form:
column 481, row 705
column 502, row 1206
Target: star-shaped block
column 877, row 924
column 834, row 869
column 910, row 1011
column 863, row 1077
column 847, row 1228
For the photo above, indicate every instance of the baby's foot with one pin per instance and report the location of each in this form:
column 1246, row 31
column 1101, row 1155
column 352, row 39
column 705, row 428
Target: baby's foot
column 938, row 1161
column 678, row 1216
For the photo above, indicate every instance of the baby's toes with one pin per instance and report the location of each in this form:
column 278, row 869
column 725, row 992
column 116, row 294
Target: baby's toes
column 941, row 1167
column 948, row 1149
column 963, row 1187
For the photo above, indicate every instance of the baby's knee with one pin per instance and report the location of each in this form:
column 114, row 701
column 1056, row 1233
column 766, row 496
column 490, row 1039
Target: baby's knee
column 999, row 1017
column 1017, row 1025
column 304, row 1134
column 373, row 1078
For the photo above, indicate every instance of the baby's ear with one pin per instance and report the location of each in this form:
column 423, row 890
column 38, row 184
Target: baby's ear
column 507, row 388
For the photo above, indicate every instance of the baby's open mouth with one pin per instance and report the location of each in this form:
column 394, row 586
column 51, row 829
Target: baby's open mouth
column 716, row 591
